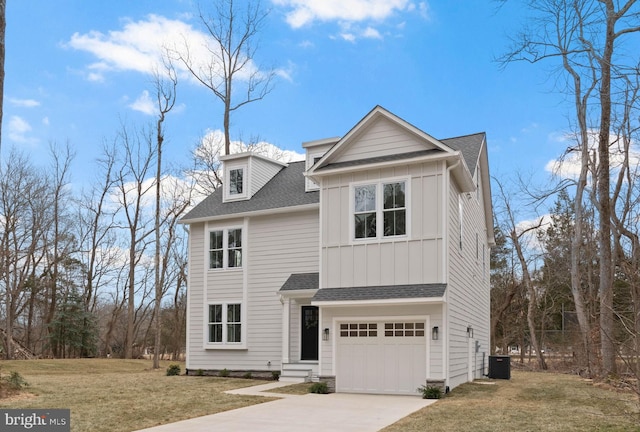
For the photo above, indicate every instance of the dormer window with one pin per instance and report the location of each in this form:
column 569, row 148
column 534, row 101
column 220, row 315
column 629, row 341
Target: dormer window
column 236, row 181
column 236, row 184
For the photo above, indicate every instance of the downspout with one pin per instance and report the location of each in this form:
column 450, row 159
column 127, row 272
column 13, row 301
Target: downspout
column 445, row 269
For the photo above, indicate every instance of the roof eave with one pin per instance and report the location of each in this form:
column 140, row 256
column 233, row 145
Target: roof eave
column 379, row 302
column 315, row 175
column 277, row 210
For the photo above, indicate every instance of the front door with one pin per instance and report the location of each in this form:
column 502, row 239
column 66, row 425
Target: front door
column 309, row 333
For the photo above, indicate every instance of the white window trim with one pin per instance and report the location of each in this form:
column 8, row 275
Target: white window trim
column 380, row 237
column 225, row 248
column 243, row 326
column 245, row 182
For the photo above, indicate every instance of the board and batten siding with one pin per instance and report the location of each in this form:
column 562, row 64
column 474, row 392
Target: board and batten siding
column 413, row 259
column 381, row 138
column 468, row 288
column 274, row 245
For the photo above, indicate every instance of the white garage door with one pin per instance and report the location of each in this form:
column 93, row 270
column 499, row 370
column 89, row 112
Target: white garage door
column 381, row 357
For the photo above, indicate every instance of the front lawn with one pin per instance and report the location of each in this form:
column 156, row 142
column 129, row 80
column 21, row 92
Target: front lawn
column 109, row 395
column 530, row 401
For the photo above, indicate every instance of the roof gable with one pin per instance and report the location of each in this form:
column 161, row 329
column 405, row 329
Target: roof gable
column 380, row 134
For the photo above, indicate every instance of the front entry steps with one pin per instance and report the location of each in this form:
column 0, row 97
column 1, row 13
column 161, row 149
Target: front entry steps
column 299, row 372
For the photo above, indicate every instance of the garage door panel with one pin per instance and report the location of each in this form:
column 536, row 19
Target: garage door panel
column 382, row 360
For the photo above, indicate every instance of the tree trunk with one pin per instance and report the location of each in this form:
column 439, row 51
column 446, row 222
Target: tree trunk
column 604, row 202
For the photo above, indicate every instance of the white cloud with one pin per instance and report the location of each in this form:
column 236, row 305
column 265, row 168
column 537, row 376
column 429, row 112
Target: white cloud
column 17, row 130
column 137, row 47
column 45, row 121
column 25, row 103
column 140, row 45
column 529, row 230
column 305, row 12
column 569, row 165
column 213, row 144
column 144, row 104
column 371, row 33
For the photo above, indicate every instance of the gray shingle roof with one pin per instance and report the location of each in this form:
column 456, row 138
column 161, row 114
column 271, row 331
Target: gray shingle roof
column 301, row 281
column 380, row 292
column 285, row 189
column 470, row 146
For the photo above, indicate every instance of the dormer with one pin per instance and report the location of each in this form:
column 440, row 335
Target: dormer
column 314, row 152
column 245, row 174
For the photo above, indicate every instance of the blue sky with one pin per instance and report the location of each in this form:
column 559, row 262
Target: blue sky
column 75, row 68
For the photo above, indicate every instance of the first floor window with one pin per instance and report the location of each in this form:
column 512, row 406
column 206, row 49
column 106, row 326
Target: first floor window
column 215, row 323
column 225, row 323
column 234, row 326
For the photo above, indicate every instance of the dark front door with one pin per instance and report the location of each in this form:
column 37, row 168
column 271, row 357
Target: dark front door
column 309, row 333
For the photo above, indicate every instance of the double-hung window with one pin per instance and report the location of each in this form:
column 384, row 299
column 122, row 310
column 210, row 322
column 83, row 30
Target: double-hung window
column 380, row 210
column 225, row 248
column 225, row 323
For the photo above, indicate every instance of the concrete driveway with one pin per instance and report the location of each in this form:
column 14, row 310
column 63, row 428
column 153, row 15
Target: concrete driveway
column 333, row 412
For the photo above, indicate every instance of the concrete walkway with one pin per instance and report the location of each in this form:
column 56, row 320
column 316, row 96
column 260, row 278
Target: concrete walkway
column 340, row 412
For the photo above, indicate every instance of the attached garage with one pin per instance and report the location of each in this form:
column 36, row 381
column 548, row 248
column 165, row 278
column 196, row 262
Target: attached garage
column 381, row 356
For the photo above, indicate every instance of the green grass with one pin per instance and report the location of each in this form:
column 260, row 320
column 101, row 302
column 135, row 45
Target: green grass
column 530, row 401
column 122, row 395
column 126, row 395
column 295, row 389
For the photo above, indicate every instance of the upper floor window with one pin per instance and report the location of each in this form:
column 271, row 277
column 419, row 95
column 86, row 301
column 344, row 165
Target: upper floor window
column 236, row 185
column 236, row 182
column 380, row 210
column 225, row 248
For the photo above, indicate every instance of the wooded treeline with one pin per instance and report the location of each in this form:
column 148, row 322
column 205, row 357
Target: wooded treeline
column 578, row 270
column 70, row 259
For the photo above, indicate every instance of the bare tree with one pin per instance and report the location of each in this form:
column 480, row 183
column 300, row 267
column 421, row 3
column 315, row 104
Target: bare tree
column 24, row 201
column 133, row 186
column 517, row 237
column 165, row 98
column 583, row 35
column 230, row 73
column 3, row 25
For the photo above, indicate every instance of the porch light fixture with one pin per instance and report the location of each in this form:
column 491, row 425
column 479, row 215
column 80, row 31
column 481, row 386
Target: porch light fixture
column 325, row 334
column 470, row 332
column 434, row 333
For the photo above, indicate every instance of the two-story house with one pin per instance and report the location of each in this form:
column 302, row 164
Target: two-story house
column 365, row 266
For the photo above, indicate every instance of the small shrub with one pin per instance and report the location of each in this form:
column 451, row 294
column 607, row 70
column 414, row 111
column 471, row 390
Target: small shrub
column 430, row 392
column 199, row 372
column 14, row 381
column 224, row 373
column 173, row 369
column 275, row 375
column 319, row 388
column 247, row 375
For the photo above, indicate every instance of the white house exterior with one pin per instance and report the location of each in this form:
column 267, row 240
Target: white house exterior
column 365, row 266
